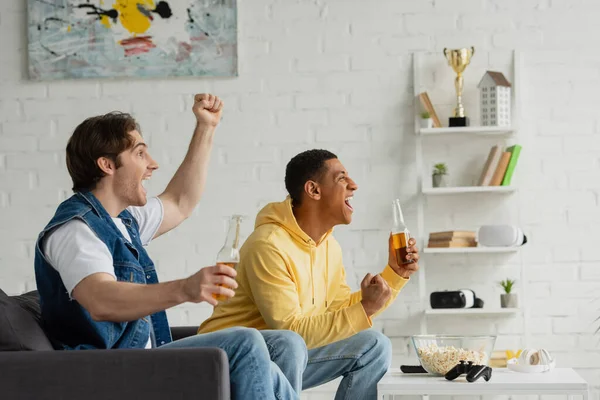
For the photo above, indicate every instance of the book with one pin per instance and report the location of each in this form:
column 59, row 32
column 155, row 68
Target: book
column 449, row 235
column 501, row 169
column 515, row 151
column 426, row 103
column 452, row 243
column 490, row 166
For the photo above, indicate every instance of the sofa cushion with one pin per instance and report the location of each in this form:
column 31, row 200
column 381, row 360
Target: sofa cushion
column 20, row 327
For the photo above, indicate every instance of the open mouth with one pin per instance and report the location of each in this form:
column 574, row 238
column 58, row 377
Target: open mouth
column 347, row 201
column 144, row 181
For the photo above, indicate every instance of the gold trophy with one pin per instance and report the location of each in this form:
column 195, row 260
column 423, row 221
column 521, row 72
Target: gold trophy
column 458, row 59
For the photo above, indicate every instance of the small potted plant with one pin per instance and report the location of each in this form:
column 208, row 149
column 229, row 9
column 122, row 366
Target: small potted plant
column 508, row 299
column 440, row 170
column 426, row 121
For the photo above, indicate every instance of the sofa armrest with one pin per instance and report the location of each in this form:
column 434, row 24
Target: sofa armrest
column 180, row 332
column 151, row 374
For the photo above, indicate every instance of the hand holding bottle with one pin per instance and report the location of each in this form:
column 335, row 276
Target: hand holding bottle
column 405, row 268
column 209, row 282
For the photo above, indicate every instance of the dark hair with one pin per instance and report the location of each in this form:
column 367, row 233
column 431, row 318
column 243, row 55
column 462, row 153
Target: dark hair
column 308, row 165
column 101, row 136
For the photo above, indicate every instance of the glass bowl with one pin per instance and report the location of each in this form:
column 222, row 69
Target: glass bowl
column 440, row 353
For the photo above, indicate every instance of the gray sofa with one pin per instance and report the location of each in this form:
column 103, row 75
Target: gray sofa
column 30, row 368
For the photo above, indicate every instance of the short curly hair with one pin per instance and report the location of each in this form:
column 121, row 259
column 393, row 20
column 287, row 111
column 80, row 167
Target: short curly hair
column 101, row 136
column 308, row 165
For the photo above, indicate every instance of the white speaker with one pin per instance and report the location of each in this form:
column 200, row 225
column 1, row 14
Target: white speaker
column 500, row 236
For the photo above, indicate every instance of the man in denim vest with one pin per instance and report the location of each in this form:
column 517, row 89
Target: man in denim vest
column 98, row 286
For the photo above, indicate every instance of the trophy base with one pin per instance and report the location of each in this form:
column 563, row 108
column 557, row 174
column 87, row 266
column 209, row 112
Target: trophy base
column 458, row 121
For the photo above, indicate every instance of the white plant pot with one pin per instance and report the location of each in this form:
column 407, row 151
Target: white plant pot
column 509, row 300
column 426, row 123
column 438, row 181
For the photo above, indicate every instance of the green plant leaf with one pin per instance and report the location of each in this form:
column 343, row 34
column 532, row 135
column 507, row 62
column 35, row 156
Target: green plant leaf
column 507, row 285
column 440, row 169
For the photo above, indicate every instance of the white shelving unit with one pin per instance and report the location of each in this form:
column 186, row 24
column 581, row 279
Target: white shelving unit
column 467, row 189
column 473, row 311
column 470, row 133
column 467, row 250
column 468, row 130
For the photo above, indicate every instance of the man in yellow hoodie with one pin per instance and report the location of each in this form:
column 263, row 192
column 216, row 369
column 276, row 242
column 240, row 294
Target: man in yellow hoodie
column 291, row 276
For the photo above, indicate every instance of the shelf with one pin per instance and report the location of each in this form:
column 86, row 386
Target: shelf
column 462, row 250
column 472, row 311
column 429, row 143
column 467, row 189
column 470, row 130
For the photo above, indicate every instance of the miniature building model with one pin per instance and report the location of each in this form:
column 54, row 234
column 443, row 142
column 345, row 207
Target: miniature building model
column 494, row 99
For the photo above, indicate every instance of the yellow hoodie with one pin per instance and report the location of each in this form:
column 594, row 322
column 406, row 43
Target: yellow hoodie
column 287, row 281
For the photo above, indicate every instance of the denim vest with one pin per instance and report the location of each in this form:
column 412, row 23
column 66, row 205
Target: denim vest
column 66, row 322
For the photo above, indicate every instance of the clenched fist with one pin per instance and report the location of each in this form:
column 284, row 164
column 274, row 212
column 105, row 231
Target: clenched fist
column 208, row 109
column 375, row 293
column 208, row 281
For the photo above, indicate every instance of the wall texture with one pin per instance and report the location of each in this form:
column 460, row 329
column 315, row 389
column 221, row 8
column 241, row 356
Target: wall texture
column 337, row 74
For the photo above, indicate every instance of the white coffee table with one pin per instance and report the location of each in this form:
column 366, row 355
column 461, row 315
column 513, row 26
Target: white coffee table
column 558, row 381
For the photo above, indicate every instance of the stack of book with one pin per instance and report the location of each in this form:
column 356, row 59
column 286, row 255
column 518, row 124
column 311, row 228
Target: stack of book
column 500, row 166
column 452, row 239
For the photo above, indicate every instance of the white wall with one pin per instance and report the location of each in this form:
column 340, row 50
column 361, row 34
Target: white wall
column 336, row 74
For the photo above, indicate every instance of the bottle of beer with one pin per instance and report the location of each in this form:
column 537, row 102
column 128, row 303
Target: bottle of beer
column 400, row 234
column 230, row 252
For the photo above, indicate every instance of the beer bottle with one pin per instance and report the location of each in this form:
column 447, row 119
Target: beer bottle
column 400, row 234
column 230, row 252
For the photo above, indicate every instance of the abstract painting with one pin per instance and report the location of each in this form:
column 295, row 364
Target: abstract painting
column 71, row 39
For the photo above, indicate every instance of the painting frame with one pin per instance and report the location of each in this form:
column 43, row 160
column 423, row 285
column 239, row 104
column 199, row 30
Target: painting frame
column 79, row 39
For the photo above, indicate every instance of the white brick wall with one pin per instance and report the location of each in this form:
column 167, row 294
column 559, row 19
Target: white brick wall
column 337, row 74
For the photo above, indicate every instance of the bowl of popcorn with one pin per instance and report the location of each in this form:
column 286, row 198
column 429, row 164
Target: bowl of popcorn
column 438, row 354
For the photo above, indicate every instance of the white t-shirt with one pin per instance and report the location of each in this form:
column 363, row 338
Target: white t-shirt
column 75, row 251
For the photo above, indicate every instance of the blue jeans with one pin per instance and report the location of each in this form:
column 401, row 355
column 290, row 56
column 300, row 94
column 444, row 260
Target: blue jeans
column 288, row 350
column 252, row 373
column 361, row 359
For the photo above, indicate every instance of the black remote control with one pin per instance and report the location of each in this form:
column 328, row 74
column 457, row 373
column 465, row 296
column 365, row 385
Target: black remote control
column 413, row 369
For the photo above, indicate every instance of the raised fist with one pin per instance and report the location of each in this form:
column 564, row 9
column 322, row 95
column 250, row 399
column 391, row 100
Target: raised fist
column 208, row 109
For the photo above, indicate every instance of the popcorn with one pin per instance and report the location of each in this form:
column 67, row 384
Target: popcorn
column 439, row 360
